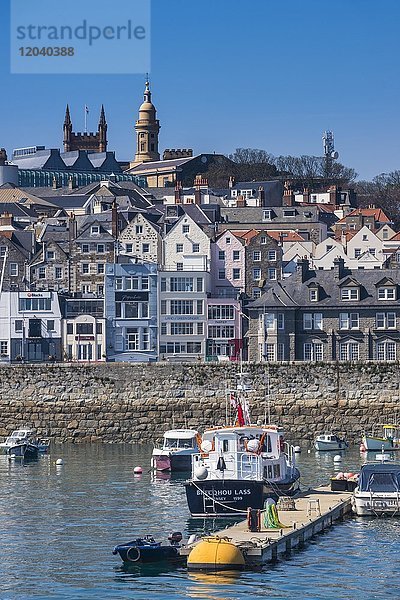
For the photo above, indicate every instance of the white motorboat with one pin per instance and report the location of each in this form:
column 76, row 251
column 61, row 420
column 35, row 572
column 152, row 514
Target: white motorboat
column 329, row 441
column 176, row 452
column 240, row 466
column 22, row 436
column 387, row 439
column 378, row 490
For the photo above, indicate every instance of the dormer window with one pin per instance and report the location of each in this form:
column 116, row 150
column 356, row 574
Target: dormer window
column 95, row 230
column 313, row 295
column 387, row 293
column 350, row 293
column 267, row 215
column 289, row 212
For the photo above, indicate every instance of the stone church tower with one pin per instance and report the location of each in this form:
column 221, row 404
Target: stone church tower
column 147, row 128
column 94, row 142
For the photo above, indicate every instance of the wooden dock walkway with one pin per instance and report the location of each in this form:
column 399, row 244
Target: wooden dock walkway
column 314, row 511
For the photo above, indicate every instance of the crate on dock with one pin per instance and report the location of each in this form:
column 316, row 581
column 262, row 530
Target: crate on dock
column 338, row 485
column 343, row 485
column 286, row 503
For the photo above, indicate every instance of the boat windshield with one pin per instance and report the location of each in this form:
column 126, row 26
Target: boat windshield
column 178, row 443
column 19, row 434
column 380, row 482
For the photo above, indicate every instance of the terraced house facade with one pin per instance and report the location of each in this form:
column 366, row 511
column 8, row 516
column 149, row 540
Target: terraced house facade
column 337, row 315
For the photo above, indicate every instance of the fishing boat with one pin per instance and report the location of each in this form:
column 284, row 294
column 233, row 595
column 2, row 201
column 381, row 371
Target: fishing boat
column 147, row 550
column 329, row 441
column 388, row 439
column 378, row 490
column 177, row 450
column 240, row 466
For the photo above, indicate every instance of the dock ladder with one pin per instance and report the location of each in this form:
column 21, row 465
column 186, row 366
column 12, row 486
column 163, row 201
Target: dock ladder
column 208, row 501
column 313, row 505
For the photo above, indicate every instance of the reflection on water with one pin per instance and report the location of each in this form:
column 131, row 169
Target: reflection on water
column 207, row 585
column 59, row 524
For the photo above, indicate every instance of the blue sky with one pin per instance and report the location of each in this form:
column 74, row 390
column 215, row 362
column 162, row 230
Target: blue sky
column 269, row 74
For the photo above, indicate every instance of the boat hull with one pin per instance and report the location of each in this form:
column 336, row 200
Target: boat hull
column 376, row 444
column 146, row 554
column 329, row 446
column 231, row 497
column 26, row 451
column 376, row 505
column 173, row 461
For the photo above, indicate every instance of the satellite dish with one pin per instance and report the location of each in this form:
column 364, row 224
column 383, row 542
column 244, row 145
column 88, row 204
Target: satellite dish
column 335, row 154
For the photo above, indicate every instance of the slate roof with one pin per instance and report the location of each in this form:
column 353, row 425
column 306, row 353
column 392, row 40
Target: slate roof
column 273, row 190
column 86, row 221
column 48, row 158
column 290, row 292
column 161, row 164
column 11, row 193
column 254, row 215
column 19, row 211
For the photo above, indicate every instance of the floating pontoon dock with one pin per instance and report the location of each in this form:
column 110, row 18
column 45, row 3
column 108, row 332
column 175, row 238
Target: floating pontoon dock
column 238, row 547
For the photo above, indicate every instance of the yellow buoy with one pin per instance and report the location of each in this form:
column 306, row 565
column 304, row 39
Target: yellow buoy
column 215, row 554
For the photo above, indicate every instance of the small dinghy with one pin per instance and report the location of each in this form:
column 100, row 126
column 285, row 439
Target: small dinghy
column 147, row 550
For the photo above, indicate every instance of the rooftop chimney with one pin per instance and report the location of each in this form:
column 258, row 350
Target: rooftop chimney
column 72, row 230
column 241, row 201
column 6, row 220
column 338, row 268
column 261, row 196
column 288, row 195
column 302, row 269
column 71, row 183
column 231, row 182
column 114, row 219
column 178, row 192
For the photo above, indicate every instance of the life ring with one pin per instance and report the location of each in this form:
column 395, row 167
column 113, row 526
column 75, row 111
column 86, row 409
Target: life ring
column 199, row 441
column 128, row 554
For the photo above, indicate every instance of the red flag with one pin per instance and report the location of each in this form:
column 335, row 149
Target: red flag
column 240, row 417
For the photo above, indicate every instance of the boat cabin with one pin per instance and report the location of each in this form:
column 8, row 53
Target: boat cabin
column 390, row 432
column 243, row 453
column 328, row 438
column 19, row 435
column 180, row 439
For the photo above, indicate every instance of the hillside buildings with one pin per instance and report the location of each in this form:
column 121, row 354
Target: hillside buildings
column 146, row 262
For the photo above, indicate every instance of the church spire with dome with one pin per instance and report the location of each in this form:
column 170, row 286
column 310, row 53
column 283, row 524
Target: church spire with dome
column 147, row 128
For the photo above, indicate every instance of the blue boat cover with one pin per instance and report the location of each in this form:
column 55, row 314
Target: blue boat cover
column 379, row 478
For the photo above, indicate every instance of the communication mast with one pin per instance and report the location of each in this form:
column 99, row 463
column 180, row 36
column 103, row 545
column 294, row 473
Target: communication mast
column 330, row 153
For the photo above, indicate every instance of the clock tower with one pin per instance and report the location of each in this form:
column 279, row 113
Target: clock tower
column 147, row 128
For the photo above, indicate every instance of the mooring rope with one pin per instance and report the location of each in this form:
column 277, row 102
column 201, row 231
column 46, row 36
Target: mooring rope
column 217, row 502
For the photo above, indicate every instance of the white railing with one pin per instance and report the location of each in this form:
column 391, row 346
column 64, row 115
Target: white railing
column 239, row 465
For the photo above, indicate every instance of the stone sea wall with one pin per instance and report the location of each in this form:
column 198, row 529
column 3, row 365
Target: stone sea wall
column 119, row 402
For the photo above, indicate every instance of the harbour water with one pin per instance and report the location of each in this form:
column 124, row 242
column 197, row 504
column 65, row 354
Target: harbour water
column 59, row 524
